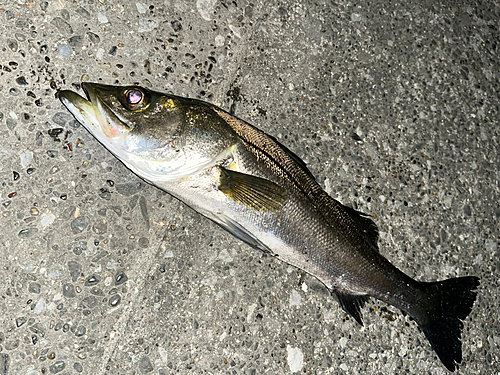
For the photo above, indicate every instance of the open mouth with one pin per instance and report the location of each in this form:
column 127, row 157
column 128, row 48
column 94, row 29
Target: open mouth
column 81, row 108
column 92, row 112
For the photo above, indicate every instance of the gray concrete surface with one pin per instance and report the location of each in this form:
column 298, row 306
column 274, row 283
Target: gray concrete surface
column 394, row 107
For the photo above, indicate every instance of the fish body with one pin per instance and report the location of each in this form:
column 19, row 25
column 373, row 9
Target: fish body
column 257, row 189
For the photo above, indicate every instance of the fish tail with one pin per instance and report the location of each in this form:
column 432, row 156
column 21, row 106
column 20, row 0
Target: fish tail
column 442, row 320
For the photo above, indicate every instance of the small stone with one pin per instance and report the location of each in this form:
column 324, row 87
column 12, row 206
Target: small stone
column 64, row 49
column 69, row 290
column 144, row 210
column 38, row 329
column 75, row 41
column 79, row 224
column 75, row 270
column 26, row 158
column 83, row 12
column 21, row 81
column 120, row 278
column 129, row 188
column 104, row 194
column 78, row 367
column 94, row 38
column 4, row 363
column 117, row 210
column 60, row 118
column 52, row 153
column 141, row 8
column 12, row 44
column 101, row 17
column 58, row 326
column 356, row 17
column 206, row 8
column 100, row 227
column 145, row 365
column 62, row 26
column 80, row 331
column 176, row 25
column 143, row 242
column 92, row 280
column 11, row 123
column 295, row 358
column 96, row 291
column 26, row 233
column 114, row 300
column 57, row 367
column 34, row 288
column 47, row 219
column 11, row 344
column 20, row 321
column 101, row 255
column 90, row 301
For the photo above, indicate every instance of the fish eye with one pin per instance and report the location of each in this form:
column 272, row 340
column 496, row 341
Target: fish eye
column 135, row 99
column 134, row 96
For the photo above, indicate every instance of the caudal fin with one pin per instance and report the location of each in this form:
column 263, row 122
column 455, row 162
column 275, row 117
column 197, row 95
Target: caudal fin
column 442, row 325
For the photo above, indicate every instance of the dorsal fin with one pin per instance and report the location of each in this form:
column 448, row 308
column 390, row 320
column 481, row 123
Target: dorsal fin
column 285, row 163
column 365, row 225
column 295, row 158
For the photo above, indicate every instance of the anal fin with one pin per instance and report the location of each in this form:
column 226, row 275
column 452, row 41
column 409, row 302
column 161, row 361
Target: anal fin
column 352, row 304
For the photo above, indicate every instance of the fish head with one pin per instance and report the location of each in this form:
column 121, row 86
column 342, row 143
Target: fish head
column 141, row 127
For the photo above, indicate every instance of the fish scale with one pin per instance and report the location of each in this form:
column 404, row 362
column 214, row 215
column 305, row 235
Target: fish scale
column 254, row 187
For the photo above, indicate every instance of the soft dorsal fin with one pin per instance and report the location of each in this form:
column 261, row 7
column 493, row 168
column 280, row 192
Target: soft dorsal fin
column 365, row 225
column 254, row 192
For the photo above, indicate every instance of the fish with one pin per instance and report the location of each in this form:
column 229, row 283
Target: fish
column 250, row 184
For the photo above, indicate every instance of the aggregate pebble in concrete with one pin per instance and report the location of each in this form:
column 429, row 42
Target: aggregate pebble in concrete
column 393, row 106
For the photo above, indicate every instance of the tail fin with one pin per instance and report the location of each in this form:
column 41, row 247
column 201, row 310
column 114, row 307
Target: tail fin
column 442, row 324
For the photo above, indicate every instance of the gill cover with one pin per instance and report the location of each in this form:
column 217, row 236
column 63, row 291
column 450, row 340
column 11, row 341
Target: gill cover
column 158, row 136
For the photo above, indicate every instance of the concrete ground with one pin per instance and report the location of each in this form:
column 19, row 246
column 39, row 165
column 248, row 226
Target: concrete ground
column 394, row 107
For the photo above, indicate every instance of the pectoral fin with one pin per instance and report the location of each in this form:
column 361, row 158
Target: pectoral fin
column 254, row 192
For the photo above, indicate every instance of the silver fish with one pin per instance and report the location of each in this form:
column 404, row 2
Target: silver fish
column 261, row 192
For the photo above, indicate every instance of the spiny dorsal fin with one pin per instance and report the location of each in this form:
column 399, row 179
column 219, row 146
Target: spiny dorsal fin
column 291, row 167
column 302, row 164
column 254, row 192
column 352, row 304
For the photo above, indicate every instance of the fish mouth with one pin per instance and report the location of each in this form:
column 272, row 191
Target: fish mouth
column 93, row 113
